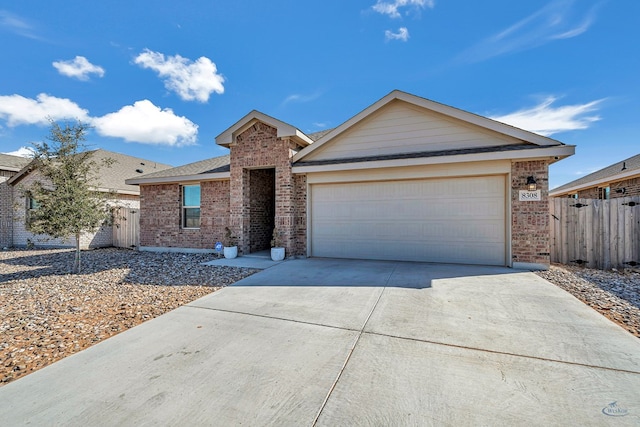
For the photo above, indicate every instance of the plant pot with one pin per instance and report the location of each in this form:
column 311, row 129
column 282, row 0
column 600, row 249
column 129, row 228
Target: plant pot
column 277, row 254
column 230, row 252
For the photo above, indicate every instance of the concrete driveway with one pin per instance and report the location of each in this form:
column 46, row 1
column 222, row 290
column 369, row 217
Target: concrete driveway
column 339, row 342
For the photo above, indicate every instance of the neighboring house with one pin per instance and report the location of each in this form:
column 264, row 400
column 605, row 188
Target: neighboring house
column 111, row 179
column 621, row 179
column 405, row 179
column 9, row 166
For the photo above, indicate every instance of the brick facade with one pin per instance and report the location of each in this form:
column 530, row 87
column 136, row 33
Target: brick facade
column 259, row 147
column 626, row 188
column 21, row 237
column 529, row 219
column 262, row 193
column 589, row 193
column 160, row 216
column 300, row 215
column 6, row 209
column 261, row 208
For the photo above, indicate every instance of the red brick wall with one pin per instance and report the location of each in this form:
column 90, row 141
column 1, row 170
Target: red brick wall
column 300, row 216
column 530, row 220
column 589, row 193
column 259, row 147
column 262, row 193
column 262, row 208
column 6, row 209
column 160, row 213
column 631, row 188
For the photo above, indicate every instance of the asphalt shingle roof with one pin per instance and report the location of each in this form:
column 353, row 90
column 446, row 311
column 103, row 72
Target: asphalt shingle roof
column 631, row 164
column 13, row 163
column 317, row 135
column 113, row 177
column 212, row 165
column 123, row 168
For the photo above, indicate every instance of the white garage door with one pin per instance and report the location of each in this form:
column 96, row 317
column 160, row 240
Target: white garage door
column 451, row 220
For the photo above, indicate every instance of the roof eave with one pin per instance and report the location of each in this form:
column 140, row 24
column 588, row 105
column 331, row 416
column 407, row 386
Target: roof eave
column 284, row 130
column 177, row 179
column 552, row 153
column 10, row 168
column 21, row 173
column 118, row 191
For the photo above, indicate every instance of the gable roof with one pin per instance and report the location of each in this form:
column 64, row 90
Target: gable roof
column 611, row 173
column 317, row 135
column 214, row 168
column 111, row 178
column 284, row 129
column 535, row 140
column 12, row 163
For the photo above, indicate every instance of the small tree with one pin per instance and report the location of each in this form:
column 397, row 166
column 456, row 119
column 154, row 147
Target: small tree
column 67, row 203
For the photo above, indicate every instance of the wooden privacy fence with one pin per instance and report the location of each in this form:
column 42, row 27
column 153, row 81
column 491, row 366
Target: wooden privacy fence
column 126, row 227
column 596, row 233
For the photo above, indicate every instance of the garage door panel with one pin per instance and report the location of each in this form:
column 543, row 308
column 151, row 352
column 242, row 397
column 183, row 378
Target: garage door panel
column 412, row 208
column 459, row 220
column 433, row 230
column 444, row 252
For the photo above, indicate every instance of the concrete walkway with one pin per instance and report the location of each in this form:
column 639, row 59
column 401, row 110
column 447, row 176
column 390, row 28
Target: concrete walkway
column 336, row 342
column 260, row 260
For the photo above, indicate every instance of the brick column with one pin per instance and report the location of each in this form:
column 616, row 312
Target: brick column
column 6, row 209
column 259, row 147
column 530, row 231
column 300, row 217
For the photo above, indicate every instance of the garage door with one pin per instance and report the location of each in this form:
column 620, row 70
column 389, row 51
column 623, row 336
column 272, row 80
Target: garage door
column 451, row 220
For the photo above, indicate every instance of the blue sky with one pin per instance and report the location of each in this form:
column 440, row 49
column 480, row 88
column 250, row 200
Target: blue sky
column 161, row 79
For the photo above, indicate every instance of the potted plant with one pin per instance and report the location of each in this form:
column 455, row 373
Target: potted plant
column 277, row 250
column 230, row 247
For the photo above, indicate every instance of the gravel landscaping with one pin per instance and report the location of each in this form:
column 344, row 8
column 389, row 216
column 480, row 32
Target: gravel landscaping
column 615, row 294
column 47, row 314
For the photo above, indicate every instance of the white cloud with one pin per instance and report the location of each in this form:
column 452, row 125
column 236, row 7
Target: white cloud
column 299, row 97
column 392, row 8
column 17, row 25
column 559, row 19
column 190, row 80
column 545, row 119
column 22, row 152
column 402, row 34
column 145, row 123
column 18, row 110
column 141, row 122
column 79, row 68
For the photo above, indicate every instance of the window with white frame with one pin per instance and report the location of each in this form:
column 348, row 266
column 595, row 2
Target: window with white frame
column 32, row 204
column 191, row 206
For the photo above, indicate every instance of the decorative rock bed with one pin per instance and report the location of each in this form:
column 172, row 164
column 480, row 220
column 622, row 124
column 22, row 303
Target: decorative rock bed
column 47, row 314
column 615, row 294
